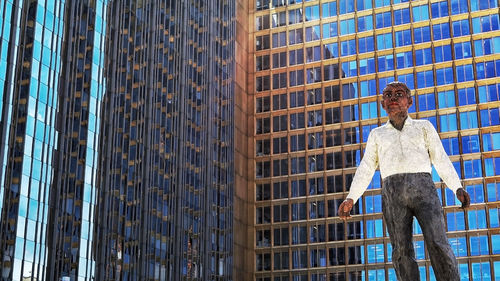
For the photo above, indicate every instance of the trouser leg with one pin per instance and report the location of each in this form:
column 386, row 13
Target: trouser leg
column 430, row 217
column 399, row 220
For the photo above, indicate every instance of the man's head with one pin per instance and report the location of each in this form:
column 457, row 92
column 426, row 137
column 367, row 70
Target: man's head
column 396, row 99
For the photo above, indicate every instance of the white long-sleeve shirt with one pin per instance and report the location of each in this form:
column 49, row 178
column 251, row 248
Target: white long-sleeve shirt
column 411, row 150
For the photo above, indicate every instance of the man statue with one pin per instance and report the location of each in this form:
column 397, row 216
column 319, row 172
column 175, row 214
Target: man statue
column 404, row 149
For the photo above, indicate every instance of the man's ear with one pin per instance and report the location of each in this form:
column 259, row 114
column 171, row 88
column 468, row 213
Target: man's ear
column 410, row 101
column 382, row 104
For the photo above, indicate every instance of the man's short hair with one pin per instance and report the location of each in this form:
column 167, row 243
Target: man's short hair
column 398, row 83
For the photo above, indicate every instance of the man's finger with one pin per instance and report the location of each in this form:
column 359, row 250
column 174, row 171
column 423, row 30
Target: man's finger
column 466, row 200
column 464, row 197
column 344, row 216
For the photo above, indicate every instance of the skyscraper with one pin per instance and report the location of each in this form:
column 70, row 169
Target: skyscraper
column 73, row 191
column 51, row 65
column 214, row 140
column 164, row 189
column 318, row 67
column 166, row 173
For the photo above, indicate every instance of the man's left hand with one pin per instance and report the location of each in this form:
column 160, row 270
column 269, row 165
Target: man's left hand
column 464, row 197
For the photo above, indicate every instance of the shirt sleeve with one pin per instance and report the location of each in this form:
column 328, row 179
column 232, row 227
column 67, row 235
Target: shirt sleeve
column 440, row 159
column 366, row 169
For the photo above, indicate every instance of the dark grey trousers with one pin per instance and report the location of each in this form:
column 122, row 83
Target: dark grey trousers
column 403, row 197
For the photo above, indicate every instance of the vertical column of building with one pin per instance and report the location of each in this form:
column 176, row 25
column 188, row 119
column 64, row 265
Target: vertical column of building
column 193, row 182
column 97, row 93
column 11, row 23
column 187, row 75
column 220, row 129
column 139, row 139
column 167, row 133
column 73, row 188
column 205, row 183
column 121, row 224
column 152, row 265
column 243, row 228
column 31, row 138
column 165, row 178
column 10, row 16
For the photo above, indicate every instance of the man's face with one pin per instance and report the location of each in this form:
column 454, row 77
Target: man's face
column 395, row 100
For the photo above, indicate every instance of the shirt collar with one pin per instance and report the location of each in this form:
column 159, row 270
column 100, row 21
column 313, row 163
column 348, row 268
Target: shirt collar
column 408, row 122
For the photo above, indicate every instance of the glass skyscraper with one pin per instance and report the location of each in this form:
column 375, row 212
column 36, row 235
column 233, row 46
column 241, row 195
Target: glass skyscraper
column 215, row 140
column 73, row 190
column 318, row 67
column 166, row 173
column 117, row 140
column 51, row 87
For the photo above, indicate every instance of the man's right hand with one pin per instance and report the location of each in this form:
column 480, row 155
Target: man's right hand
column 345, row 209
column 464, row 197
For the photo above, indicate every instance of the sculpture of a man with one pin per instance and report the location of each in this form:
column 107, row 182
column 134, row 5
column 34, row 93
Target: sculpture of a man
column 404, row 150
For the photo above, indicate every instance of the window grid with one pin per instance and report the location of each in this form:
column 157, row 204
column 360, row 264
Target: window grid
column 440, row 88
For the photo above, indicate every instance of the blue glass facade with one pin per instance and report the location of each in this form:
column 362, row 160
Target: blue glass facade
column 6, row 82
column 35, row 67
column 31, row 137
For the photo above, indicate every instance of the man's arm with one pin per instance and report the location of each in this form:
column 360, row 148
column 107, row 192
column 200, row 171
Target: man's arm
column 443, row 165
column 362, row 177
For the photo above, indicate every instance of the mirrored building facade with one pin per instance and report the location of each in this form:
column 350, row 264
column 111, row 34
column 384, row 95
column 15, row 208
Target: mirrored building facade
column 51, row 86
column 318, row 67
column 166, row 174
column 73, row 190
column 118, row 167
